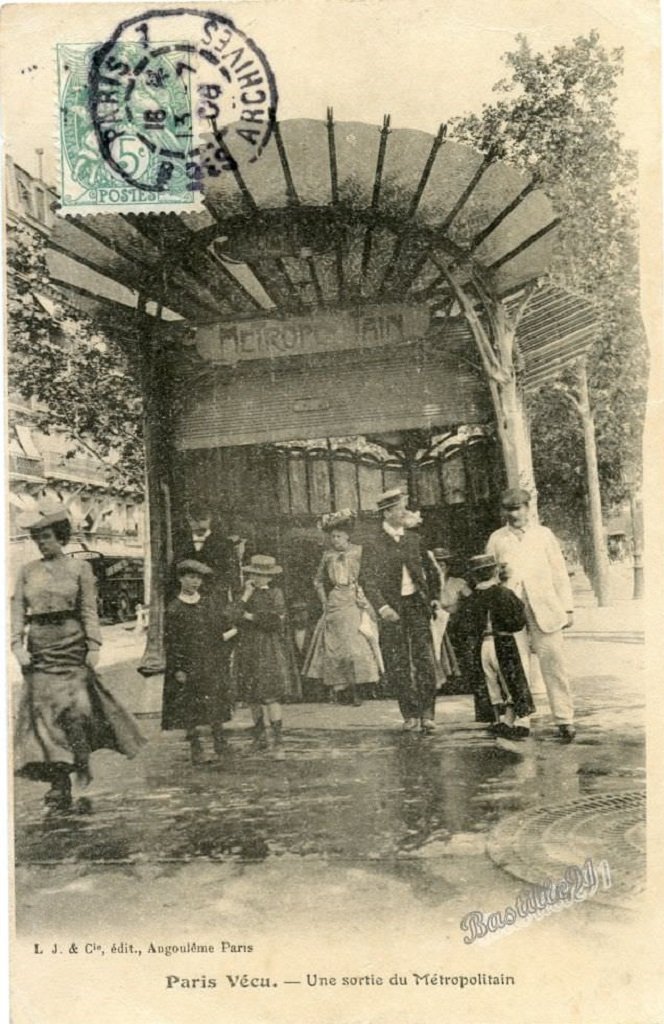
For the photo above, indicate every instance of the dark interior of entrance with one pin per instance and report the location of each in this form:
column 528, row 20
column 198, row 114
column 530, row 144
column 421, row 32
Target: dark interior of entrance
column 275, row 494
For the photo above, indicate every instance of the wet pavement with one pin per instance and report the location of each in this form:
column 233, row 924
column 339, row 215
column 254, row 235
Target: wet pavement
column 362, row 851
column 365, row 794
column 353, row 793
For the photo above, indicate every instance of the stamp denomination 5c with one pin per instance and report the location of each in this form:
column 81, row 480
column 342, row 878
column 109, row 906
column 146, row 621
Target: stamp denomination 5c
column 172, row 99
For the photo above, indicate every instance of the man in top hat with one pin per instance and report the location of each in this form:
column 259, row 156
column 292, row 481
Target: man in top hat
column 535, row 570
column 401, row 589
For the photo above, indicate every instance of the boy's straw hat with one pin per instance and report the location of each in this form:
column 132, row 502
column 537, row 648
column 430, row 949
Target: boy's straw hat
column 262, row 565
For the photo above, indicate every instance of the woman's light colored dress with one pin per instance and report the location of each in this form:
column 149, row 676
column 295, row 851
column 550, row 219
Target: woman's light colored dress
column 344, row 649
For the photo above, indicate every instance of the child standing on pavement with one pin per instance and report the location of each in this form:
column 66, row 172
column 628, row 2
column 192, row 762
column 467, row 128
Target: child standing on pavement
column 493, row 619
column 197, row 680
column 262, row 664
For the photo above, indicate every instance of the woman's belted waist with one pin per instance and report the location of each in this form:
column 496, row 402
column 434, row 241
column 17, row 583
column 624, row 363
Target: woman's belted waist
column 47, row 618
column 496, row 632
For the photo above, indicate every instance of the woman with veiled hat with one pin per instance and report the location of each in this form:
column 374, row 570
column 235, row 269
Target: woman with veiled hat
column 344, row 653
column 64, row 713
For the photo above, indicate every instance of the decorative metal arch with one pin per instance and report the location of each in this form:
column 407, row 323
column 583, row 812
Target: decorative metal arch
column 344, row 214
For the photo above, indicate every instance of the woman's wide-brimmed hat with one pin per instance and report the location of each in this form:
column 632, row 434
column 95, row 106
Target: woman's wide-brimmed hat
column 193, row 566
column 341, row 520
column 442, row 554
column 45, row 514
column 262, row 565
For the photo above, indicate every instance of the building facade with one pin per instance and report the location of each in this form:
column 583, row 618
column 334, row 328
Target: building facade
column 107, row 518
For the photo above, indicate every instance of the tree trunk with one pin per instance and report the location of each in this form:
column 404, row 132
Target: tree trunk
column 600, row 557
column 636, row 512
column 494, row 334
column 586, row 547
column 514, row 435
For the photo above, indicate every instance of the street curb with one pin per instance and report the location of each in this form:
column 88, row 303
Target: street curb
column 620, row 637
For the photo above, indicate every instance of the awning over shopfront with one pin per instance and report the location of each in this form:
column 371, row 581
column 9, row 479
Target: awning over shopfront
column 111, row 547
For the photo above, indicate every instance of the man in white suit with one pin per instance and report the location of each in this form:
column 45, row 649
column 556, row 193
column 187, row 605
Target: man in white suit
column 535, row 570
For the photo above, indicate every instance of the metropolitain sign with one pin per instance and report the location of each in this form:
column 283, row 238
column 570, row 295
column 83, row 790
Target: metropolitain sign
column 269, row 338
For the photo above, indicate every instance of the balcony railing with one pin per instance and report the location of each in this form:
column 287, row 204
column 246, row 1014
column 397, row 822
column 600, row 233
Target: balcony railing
column 26, row 466
column 81, row 468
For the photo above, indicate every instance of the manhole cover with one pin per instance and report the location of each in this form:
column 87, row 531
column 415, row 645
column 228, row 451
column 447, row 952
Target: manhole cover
column 610, row 827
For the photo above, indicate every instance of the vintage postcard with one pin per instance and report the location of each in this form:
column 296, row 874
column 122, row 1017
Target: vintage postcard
column 333, row 412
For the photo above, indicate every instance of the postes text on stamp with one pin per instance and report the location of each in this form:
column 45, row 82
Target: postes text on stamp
column 174, row 98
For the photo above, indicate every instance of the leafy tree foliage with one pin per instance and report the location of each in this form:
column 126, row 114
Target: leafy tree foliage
column 61, row 357
column 555, row 118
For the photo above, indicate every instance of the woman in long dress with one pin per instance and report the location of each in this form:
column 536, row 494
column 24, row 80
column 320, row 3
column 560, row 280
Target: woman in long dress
column 64, row 713
column 344, row 653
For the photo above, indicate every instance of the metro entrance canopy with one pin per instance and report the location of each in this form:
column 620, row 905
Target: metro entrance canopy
column 334, row 215
column 414, row 259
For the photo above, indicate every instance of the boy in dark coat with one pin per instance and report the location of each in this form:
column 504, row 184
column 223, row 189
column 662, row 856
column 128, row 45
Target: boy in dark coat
column 198, row 649
column 490, row 618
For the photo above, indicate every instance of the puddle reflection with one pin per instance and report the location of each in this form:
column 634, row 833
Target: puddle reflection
column 369, row 795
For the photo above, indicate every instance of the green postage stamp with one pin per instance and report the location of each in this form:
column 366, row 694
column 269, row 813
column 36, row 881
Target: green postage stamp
column 148, row 119
column 161, row 102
